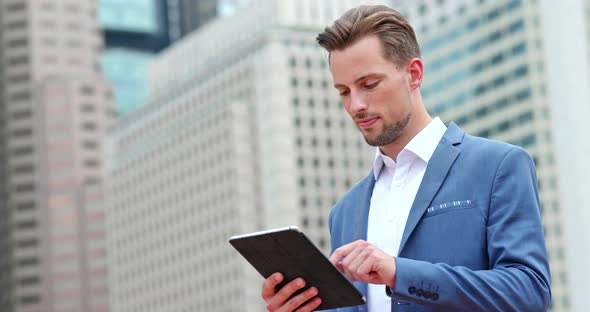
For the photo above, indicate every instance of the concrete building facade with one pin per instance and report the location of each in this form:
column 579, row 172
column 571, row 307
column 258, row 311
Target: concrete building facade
column 55, row 112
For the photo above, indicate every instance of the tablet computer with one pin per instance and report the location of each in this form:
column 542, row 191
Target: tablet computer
column 289, row 251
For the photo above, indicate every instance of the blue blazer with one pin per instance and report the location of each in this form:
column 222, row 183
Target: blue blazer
column 474, row 238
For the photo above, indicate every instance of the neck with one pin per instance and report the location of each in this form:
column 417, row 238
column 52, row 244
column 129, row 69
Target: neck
column 418, row 121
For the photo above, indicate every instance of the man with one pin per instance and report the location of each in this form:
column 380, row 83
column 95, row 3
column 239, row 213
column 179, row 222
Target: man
column 445, row 221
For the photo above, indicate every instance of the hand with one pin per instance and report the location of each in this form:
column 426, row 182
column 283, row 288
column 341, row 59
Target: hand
column 361, row 261
column 277, row 300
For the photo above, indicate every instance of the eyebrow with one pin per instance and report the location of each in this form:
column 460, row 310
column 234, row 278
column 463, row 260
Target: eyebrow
column 363, row 77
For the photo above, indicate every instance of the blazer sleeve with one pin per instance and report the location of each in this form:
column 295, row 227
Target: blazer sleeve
column 518, row 274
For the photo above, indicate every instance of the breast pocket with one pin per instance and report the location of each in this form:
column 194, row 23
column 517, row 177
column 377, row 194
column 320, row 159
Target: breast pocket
column 448, row 207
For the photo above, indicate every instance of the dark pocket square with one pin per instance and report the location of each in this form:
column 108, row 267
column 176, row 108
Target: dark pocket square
column 447, row 207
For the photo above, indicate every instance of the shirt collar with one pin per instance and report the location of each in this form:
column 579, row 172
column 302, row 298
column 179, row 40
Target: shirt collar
column 422, row 145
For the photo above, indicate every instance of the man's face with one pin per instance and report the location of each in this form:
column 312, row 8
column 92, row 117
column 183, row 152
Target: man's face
column 374, row 91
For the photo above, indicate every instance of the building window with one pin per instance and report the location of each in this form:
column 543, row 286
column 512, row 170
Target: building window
column 87, row 90
column 17, row 6
column 422, row 9
column 21, row 114
column 20, row 96
column 527, row 140
column 19, row 60
column 91, row 163
column 25, row 225
column 92, row 145
column 17, row 42
column 305, row 222
column 303, row 202
column 72, row 8
column 499, row 81
column 516, row 26
column 521, row 71
column 23, row 169
column 23, row 188
column 21, row 151
column 27, row 262
column 27, row 243
column 89, row 126
column 19, row 24
column 88, row 108
column 519, row 48
column 25, row 206
column 30, row 299
column 503, row 126
column 523, row 94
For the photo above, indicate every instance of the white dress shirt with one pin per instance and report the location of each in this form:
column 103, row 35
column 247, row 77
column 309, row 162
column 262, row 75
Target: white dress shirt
column 396, row 185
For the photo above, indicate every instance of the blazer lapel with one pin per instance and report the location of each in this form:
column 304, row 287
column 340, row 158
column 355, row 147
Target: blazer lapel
column 438, row 167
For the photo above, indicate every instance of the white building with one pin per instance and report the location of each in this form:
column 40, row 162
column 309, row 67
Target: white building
column 55, row 110
column 244, row 132
column 505, row 70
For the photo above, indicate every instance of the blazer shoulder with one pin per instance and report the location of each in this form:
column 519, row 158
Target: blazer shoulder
column 488, row 148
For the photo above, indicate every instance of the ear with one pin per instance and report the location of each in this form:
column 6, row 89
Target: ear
column 415, row 71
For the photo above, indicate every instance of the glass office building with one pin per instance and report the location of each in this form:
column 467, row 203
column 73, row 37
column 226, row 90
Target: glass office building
column 134, row 31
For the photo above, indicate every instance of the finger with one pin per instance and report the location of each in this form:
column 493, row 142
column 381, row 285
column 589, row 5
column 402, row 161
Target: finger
column 279, row 299
column 379, row 268
column 343, row 251
column 311, row 305
column 368, row 270
column 352, row 262
column 297, row 301
column 268, row 287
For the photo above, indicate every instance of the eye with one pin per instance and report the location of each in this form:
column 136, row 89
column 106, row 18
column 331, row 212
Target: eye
column 372, row 85
column 344, row 92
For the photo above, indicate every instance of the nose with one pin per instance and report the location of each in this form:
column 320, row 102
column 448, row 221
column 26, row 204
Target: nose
column 358, row 103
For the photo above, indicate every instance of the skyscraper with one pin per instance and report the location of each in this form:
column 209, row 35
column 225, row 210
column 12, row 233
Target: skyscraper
column 249, row 135
column 55, row 111
column 134, row 31
column 187, row 15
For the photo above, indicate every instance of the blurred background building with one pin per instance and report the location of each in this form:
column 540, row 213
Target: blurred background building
column 55, row 112
column 136, row 30
column 249, row 135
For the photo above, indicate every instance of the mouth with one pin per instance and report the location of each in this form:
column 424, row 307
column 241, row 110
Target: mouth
column 367, row 122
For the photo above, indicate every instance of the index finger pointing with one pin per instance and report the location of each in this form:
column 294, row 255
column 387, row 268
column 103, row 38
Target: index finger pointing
column 341, row 252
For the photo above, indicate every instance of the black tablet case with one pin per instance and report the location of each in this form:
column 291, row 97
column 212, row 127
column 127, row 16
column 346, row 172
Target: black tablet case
column 289, row 251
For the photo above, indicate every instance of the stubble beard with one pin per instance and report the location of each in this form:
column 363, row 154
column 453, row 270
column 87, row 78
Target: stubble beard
column 391, row 132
